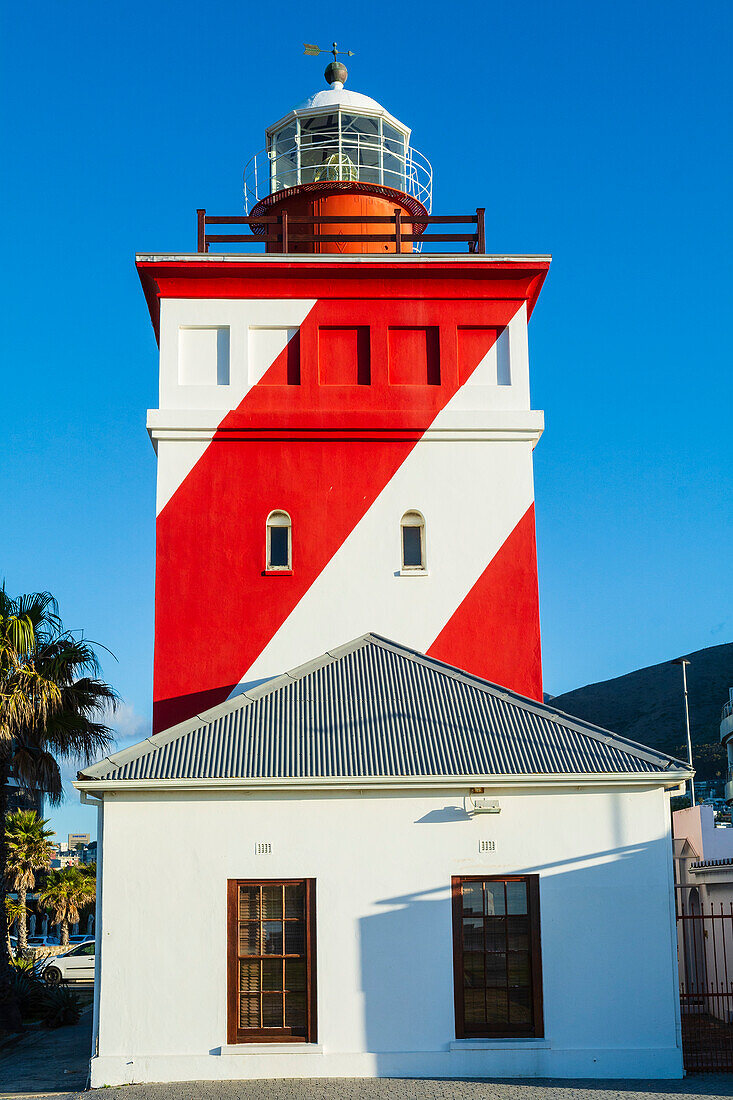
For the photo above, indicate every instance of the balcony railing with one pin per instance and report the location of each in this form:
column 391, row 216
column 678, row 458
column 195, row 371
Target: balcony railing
column 283, row 230
column 727, row 710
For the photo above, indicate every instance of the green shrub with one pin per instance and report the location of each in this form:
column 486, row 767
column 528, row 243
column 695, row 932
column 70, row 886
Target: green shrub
column 60, row 1007
column 27, row 990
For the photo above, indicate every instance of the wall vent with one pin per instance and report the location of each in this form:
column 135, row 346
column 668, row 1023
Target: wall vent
column 263, row 848
column 487, row 845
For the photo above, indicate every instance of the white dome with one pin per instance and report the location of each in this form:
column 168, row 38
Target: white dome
column 337, row 95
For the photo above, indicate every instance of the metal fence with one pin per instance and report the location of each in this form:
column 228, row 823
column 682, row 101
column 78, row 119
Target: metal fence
column 705, row 957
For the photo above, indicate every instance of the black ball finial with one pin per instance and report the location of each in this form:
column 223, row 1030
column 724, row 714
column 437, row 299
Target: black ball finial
column 336, row 71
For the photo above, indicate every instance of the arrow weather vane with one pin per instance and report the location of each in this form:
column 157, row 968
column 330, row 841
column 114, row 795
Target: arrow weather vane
column 314, row 51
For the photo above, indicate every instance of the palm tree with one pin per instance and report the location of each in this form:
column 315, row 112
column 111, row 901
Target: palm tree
column 14, row 913
column 51, row 698
column 28, row 851
column 65, row 893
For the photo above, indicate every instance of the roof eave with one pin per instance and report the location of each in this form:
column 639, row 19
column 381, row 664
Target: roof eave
column 668, row 779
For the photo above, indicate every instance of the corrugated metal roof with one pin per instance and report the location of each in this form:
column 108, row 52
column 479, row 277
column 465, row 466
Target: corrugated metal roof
column 374, row 708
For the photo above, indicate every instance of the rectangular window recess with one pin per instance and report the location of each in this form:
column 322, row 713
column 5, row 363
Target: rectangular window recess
column 497, row 957
column 271, row 961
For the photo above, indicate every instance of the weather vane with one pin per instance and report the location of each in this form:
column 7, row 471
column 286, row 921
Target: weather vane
column 314, row 51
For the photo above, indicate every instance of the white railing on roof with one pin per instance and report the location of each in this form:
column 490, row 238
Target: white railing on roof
column 352, row 157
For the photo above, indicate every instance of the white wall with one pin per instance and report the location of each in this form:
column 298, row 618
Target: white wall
column 383, row 865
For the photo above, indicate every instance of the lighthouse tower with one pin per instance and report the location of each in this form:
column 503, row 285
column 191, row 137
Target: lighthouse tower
column 344, row 435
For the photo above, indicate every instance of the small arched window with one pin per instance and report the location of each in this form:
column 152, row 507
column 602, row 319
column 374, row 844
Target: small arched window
column 413, row 542
column 279, row 541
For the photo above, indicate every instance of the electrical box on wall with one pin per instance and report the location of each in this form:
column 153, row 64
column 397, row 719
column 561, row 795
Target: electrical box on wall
column 480, row 805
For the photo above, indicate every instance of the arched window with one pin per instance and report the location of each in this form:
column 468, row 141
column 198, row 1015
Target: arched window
column 279, row 541
column 413, row 542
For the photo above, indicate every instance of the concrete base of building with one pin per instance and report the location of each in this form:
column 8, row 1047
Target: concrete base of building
column 484, row 1059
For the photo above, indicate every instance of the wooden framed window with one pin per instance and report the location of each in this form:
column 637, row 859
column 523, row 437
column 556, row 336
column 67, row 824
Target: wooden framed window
column 496, row 957
column 271, row 971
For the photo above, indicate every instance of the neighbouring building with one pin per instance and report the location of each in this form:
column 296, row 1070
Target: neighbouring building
column 405, row 863
column 703, row 855
column 77, row 838
column 726, row 736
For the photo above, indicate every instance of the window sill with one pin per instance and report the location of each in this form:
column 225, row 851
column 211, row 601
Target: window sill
column 462, row 1045
column 414, row 573
column 277, row 572
column 272, row 1048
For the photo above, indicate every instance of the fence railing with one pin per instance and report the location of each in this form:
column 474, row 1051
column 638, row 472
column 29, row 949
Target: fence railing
column 284, row 230
column 705, row 960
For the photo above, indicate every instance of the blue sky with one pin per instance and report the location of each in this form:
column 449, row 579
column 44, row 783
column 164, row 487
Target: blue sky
column 600, row 133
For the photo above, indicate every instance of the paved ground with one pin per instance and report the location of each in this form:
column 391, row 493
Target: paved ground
column 706, row 1088
column 44, row 1062
column 53, row 1064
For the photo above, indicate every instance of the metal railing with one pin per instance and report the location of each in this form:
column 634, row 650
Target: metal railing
column 727, row 710
column 343, row 158
column 284, row 230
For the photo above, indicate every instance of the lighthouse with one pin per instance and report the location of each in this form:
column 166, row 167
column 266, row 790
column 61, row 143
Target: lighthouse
column 344, row 432
column 351, row 735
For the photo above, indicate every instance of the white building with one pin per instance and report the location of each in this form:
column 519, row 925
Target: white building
column 392, row 868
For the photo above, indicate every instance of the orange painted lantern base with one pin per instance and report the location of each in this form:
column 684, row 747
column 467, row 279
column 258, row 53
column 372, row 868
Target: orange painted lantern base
column 340, row 199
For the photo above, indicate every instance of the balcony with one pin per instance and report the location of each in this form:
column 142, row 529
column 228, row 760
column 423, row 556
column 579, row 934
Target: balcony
column 280, row 231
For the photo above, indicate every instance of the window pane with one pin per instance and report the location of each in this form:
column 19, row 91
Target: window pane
column 497, row 1010
column 249, row 939
column 520, row 1006
column 494, row 899
column 295, row 1010
column 519, row 972
column 516, row 897
column 249, row 1011
column 278, row 547
column 249, row 976
column 518, row 933
column 411, row 547
column 295, row 975
column 474, row 1006
column 496, row 969
column 473, row 898
column 272, row 935
column 473, row 969
column 89, row 949
column 272, row 1010
column 294, row 900
column 294, row 937
column 473, row 934
column 272, row 901
column 495, row 934
column 249, row 902
column 272, row 974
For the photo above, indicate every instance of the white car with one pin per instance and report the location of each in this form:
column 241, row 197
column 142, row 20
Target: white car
column 75, row 965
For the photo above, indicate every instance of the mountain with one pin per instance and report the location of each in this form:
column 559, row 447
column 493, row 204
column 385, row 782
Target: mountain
column 648, row 706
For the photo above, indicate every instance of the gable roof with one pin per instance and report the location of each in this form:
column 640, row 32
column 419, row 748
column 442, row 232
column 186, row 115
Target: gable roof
column 374, row 708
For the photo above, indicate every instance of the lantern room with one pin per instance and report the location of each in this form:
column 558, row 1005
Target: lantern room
column 339, row 153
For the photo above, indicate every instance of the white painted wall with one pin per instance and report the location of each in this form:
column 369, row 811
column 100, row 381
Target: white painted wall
column 383, row 864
